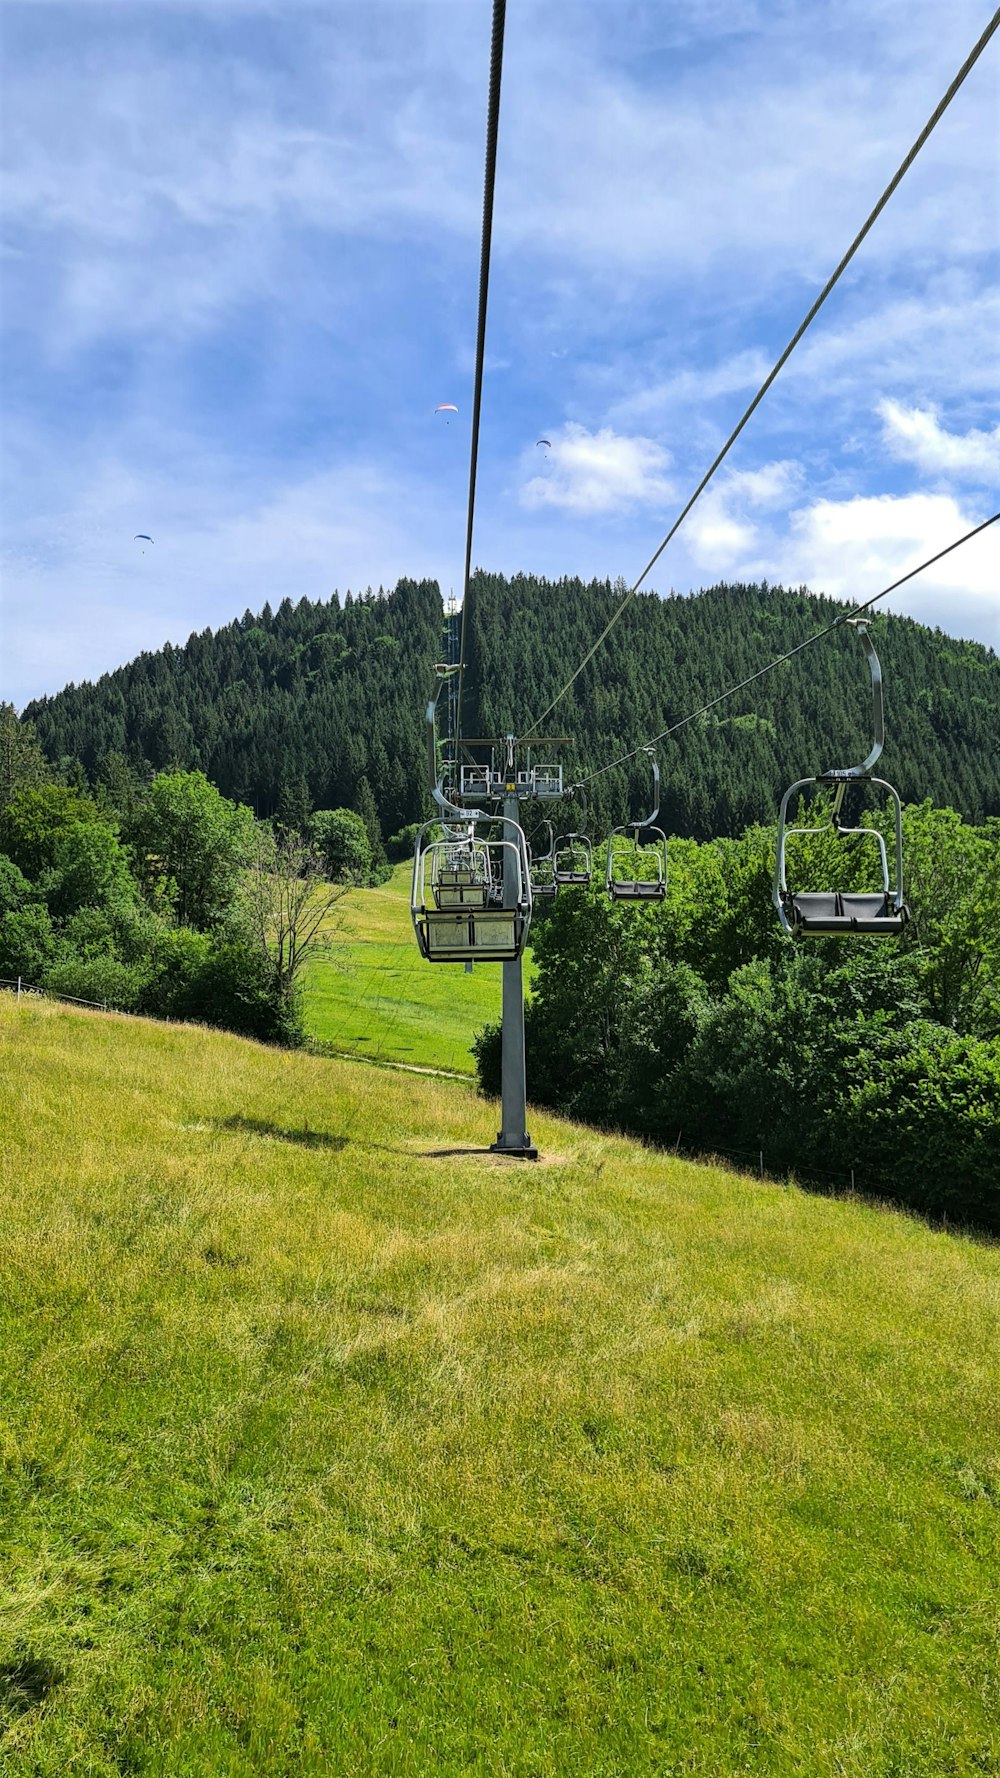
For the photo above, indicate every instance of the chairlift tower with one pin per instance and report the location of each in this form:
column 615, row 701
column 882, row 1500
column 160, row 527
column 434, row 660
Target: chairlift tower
column 472, row 894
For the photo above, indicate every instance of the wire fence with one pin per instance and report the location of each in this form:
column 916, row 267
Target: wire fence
column 16, row 985
column 846, row 1181
column 757, row 1162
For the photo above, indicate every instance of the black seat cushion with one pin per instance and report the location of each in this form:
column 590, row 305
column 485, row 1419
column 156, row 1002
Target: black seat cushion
column 838, row 914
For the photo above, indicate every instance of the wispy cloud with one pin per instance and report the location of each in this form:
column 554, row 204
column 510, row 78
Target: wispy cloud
column 724, row 526
column 916, row 435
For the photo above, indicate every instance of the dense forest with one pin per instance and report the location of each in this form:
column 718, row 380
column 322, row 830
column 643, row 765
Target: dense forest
column 321, row 704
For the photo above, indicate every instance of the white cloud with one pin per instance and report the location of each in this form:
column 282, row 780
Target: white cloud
column 599, row 472
column 723, row 528
column 848, row 548
column 916, row 435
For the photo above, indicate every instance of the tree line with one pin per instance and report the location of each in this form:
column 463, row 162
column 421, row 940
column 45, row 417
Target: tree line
column 320, row 704
column 697, row 1024
column 163, row 896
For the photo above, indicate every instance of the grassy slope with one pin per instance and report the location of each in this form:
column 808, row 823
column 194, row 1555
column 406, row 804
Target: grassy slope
column 374, row 993
column 332, row 1448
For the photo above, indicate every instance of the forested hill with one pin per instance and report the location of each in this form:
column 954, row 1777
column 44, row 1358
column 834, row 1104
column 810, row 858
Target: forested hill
column 666, row 657
column 278, row 708
column 302, row 704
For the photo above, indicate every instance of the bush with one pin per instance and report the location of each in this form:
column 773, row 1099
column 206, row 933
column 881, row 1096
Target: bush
column 402, row 844
column 486, row 1049
column 90, row 933
column 341, row 837
column 27, row 944
column 236, row 989
column 119, row 985
column 178, row 958
column 923, row 1111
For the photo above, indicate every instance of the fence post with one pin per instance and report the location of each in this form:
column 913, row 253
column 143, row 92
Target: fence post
column 19, row 987
column 761, row 1173
column 852, row 1178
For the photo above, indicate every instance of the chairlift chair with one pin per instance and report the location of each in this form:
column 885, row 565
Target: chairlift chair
column 471, row 897
column 841, row 912
column 573, row 861
column 542, row 870
column 572, row 853
column 639, row 846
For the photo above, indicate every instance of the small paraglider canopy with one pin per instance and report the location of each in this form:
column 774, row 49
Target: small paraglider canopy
column 543, row 441
column 142, row 537
column 446, row 407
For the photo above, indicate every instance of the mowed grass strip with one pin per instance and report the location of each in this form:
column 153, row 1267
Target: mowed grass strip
column 372, row 992
column 332, row 1447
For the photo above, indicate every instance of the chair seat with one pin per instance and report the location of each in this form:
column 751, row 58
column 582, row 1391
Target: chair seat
column 838, row 913
column 637, row 891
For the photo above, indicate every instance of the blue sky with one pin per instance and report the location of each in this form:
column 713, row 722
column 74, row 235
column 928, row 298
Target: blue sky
column 240, row 257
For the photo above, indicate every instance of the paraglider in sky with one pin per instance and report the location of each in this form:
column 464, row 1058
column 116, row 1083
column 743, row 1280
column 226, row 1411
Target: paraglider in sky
column 446, row 407
column 543, row 441
column 142, row 537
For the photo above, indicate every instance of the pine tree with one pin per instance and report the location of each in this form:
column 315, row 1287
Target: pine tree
column 364, row 803
column 294, row 805
column 22, row 764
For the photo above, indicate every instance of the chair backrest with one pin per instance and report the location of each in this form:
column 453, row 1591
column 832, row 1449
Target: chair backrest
column 471, row 896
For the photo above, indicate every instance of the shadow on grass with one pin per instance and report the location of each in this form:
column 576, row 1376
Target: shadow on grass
column 306, row 1138
column 27, row 1680
column 444, row 1154
column 303, row 1138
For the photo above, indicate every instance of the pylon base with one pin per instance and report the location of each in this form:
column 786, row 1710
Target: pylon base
column 518, row 1150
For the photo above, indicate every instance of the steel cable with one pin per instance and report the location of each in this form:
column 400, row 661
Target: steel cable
column 834, row 278
column 492, row 132
column 781, row 658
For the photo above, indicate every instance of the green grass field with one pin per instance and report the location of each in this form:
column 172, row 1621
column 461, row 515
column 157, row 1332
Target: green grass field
column 374, row 995
column 333, row 1446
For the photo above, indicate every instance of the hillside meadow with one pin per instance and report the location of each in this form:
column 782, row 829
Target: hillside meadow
column 333, row 1445
column 372, row 994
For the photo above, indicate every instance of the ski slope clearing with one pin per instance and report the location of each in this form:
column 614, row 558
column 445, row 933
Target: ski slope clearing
column 372, row 993
column 332, row 1445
